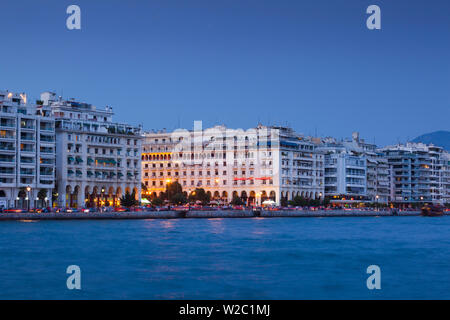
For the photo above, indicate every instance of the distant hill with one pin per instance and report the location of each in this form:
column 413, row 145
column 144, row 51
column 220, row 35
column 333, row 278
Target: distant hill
column 438, row 138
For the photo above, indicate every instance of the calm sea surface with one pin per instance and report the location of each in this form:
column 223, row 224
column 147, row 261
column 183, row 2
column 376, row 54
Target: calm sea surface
column 259, row 258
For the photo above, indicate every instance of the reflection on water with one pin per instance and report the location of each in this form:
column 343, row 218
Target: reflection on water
column 167, row 224
column 217, row 225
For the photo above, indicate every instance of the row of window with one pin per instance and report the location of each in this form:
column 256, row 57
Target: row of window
column 102, row 139
column 176, row 165
column 200, row 173
column 77, row 149
column 199, row 183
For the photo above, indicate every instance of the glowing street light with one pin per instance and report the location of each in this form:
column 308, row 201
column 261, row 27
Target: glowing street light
column 28, row 197
column 258, row 195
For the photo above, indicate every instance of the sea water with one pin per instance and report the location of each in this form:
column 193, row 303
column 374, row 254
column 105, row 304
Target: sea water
column 254, row 258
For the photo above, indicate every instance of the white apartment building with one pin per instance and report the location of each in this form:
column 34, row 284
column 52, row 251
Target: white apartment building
column 355, row 171
column 302, row 166
column 420, row 173
column 345, row 174
column 446, row 177
column 27, row 152
column 257, row 164
column 98, row 161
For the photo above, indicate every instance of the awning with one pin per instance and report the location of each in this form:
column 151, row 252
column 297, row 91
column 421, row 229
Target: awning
column 288, row 144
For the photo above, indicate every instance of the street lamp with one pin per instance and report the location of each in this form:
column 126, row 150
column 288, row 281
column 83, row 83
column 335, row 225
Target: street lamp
column 100, row 196
column 258, row 195
column 168, row 191
column 28, row 197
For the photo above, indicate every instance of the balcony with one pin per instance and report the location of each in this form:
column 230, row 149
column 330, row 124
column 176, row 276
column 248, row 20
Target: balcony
column 27, row 137
column 27, row 127
column 46, row 182
column 7, row 171
column 7, row 124
column 49, row 139
column 27, row 150
column 26, row 172
column 47, row 128
column 46, row 172
column 7, row 137
column 7, row 147
column 45, row 150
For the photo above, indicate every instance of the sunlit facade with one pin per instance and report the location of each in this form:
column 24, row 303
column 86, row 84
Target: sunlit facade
column 256, row 165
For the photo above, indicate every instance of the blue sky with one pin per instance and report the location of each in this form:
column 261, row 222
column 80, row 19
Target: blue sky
column 312, row 65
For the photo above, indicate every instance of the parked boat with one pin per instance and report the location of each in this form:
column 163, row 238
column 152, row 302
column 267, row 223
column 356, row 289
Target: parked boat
column 433, row 210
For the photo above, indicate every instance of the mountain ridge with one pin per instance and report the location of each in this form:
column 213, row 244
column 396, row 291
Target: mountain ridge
column 439, row 138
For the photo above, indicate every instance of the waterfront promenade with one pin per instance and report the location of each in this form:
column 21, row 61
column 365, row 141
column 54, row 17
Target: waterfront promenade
column 174, row 214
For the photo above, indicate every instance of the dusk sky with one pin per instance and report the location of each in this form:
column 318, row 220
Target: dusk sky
column 312, row 65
